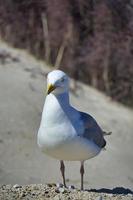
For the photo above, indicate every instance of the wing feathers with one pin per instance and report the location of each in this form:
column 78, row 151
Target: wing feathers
column 92, row 130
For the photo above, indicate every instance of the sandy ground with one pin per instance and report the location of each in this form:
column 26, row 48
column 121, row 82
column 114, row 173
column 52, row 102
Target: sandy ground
column 22, row 93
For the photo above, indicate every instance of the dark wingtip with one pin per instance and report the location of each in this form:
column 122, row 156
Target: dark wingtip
column 104, row 143
column 106, row 133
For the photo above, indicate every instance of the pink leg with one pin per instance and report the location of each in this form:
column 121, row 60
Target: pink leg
column 62, row 169
column 82, row 175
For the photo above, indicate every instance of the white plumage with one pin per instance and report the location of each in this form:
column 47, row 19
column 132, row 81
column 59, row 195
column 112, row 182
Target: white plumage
column 65, row 133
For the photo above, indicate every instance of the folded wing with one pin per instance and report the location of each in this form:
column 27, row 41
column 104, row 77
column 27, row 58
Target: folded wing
column 92, row 130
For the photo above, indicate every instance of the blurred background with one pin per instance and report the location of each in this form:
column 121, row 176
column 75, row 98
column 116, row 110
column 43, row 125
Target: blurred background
column 93, row 42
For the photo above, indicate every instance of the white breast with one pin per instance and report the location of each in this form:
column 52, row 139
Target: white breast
column 58, row 137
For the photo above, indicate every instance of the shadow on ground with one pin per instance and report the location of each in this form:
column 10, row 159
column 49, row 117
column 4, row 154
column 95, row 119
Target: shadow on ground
column 116, row 190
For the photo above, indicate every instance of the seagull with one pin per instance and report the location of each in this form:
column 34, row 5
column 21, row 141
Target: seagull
column 65, row 133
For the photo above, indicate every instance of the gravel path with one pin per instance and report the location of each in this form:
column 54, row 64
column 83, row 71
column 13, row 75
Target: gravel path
column 50, row 191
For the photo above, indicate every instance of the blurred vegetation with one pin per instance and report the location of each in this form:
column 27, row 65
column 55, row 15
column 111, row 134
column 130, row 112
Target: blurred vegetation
column 91, row 40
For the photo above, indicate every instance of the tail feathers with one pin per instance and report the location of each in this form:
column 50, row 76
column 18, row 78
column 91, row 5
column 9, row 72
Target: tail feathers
column 106, row 133
column 104, row 143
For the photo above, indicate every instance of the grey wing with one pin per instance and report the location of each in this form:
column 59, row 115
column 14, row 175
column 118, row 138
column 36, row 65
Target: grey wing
column 92, row 130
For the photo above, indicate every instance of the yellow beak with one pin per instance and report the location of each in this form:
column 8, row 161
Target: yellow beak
column 50, row 88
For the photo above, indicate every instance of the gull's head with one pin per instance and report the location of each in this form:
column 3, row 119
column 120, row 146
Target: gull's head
column 57, row 82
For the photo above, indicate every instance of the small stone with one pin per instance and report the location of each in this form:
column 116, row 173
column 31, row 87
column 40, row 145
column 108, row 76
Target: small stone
column 49, row 184
column 71, row 187
column 61, row 190
column 57, row 190
column 56, row 198
column 99, row 198
column 16, row 186
column 22, row 194
column 46, row 192
column 59, row 185
column 8, row 187
column 33, row 193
